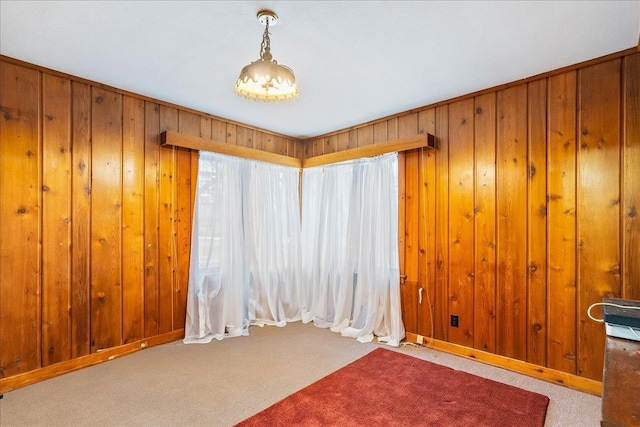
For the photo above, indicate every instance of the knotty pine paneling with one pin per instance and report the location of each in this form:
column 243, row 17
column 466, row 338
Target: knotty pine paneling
column 485, row 223
column 461, row 221
column 95, row 228
column 533, row 203
column 561, row 223
column 80, row 219
column 411, row 288
column 167, row 258
column 441, row 283
column 132, row 222
column 537, row 224
column 599, row 237
column 106, row 219
column 630, row 181
column 20, row 201
column 600, row 98
column 426, row 227
column 151, row 218
column 56, row 219
column 511, row 205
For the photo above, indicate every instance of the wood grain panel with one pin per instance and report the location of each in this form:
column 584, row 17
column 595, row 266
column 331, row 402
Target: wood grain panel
column 412, row 199
column 353, row 138
column 407, row 126
column 537, row 225
column 80, row 220
column 56, row 219
column 318, row 146
column 205, row 132
column 511, row 160
column 461, row 221
column 244, row 136
column 598, row 205
column 409, row 289
column 561, row 212
column 106, row 219
column 257, row 140
column 402, row 196
column 294, row 148
column 151, row 218
column 409, row 300
column 365, row 135
column 167, row 260
column 485, row 223
column 188, row 124
column 253, row 138
column 133, row 180
column 268, row 144
column 330, row 146
column 426, row 234
column 411, row 203
column 342, row 142
column 380, row 132
column 20, row 182
column 205, row 127
column 232, row 136
column 281, row 145
column 631, row 183
column 218, row 130
column 427, row 227
column 392, row 128
column 441, row 302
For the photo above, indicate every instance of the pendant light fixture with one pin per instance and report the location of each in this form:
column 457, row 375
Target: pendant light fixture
column 265, row 79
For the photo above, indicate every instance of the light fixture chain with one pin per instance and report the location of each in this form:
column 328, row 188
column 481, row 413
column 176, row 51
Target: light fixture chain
column 265, row 47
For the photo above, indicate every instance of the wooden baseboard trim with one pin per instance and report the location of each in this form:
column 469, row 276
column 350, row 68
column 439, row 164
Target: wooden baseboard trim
column 41, row 374
column 540, row 372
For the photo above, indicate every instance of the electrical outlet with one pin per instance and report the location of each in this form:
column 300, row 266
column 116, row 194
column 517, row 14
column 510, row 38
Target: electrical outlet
column 420, row 339
column 454, row 320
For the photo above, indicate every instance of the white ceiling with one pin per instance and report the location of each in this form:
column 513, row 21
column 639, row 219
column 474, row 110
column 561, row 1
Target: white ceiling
column 354, row 61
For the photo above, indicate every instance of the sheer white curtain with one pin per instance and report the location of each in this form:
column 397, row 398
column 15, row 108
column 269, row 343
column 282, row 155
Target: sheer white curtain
column 245, row 251
column 350, row 262
column 272, row 240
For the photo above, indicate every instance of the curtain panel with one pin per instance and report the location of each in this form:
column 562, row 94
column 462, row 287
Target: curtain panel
column 254, row 263
column 245, row 250
column 350, row 264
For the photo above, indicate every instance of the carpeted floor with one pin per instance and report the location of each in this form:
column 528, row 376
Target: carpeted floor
column 223, row 383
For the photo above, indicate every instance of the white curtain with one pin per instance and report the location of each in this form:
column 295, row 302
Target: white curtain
column 350, row 262
column 245, row 251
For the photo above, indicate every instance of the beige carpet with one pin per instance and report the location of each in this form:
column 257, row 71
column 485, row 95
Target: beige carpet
column 224, row 382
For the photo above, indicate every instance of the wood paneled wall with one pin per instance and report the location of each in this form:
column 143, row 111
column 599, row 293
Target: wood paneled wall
column 95, row 215
column 524, row 215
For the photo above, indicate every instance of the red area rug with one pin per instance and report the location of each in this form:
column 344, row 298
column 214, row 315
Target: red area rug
column 386, row 388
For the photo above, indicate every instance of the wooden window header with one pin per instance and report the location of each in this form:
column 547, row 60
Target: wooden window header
column 418, row 141
column 170, row 138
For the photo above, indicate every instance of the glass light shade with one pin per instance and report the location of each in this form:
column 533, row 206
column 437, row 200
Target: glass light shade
column 265, row 80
